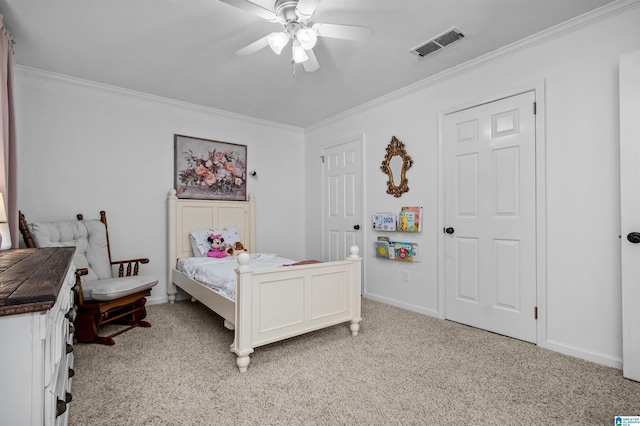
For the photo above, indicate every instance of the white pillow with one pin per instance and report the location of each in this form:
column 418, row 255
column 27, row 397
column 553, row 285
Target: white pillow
column 201, row 246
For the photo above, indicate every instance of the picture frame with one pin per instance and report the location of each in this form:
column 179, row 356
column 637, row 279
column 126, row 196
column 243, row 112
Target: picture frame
column 207, row 169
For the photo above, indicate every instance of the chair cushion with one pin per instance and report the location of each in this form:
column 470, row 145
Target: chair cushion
column 88, row 236
column 114, row 288
column 97, row 252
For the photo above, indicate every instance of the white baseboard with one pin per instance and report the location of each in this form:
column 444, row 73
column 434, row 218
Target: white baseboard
column 398, row 304
column 581, row 353
column 157, row 300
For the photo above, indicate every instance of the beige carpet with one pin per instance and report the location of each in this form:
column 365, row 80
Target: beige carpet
column 402, row 369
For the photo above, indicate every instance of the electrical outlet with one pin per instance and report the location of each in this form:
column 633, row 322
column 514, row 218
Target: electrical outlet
column 405, row 276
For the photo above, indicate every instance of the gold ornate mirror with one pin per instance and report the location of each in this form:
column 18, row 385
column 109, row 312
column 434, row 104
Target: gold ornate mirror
column 395, row 166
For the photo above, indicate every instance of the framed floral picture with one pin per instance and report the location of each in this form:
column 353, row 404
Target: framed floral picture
column 210, row 170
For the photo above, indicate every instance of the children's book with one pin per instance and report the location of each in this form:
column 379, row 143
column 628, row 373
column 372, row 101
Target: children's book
column 382, row 249
column 415, row 253
column 384, row 222
column 403, row 251
column 406, row 221
column 416, row 225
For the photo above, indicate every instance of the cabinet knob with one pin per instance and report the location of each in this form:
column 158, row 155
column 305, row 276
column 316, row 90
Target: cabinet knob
column 61, row 407
column 68, row 397
column 72, row 372
column 71, row 314
column 69, row 348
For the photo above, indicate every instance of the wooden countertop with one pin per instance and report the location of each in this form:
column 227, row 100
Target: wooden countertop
column 30, row 279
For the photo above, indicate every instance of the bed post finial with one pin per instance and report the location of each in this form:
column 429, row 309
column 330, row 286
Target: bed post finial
column 354, row 250
column 172, row 193
column 243, row 262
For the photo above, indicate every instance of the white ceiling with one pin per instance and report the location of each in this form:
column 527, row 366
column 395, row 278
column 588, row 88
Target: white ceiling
column 185, row 49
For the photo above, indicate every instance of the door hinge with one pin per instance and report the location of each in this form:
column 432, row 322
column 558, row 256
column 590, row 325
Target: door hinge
column 535, row 108
column 535, row 313
column 322, row 159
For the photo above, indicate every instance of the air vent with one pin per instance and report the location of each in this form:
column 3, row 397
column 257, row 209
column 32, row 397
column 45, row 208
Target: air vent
column 438, row 42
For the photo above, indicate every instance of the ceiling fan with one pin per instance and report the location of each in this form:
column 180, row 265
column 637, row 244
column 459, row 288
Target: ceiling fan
column 295, row 17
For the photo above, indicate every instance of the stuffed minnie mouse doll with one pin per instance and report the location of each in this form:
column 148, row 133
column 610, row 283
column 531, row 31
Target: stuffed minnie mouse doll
column 216, row 246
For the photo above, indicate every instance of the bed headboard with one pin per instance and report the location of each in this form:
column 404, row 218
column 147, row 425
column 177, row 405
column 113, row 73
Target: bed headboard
column 186, row 215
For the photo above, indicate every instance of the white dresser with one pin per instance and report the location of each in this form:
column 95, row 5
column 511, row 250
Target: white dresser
column 36, row 335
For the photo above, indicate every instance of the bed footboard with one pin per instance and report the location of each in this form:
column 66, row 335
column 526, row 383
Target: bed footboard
column 276, row 305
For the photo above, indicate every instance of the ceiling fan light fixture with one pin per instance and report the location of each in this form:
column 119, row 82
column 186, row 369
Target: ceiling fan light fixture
column 299, row 55
column 296, row 18
column 277, row 41
column 307, row 38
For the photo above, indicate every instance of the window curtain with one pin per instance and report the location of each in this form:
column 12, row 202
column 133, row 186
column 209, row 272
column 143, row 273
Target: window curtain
column 8, row 132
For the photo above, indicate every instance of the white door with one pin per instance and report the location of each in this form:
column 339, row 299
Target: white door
column 342, row 200
column 630, row 211
column 490, row 221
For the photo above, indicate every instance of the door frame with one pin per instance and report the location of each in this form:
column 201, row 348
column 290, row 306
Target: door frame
column 363, row 228
column 538, row 87
column 629, row 176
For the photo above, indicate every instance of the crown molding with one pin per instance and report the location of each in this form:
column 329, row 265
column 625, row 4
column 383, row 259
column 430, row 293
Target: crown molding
column 585, row 20
column 48, row 75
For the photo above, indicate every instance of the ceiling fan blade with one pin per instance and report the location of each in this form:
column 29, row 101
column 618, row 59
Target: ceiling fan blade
column 311, row 64
column 305, row 8
column 253, row 8
column 254, row 47
column 348, row 32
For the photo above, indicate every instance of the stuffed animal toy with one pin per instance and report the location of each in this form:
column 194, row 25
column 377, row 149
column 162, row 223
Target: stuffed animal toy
column 216, row 246
column 239, row 248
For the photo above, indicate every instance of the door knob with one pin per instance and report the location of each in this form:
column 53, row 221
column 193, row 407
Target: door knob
column 634, row 237
column 449, row 230
column 356, row 227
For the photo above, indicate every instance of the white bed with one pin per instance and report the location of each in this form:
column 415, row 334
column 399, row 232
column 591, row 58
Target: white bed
column 270, row 305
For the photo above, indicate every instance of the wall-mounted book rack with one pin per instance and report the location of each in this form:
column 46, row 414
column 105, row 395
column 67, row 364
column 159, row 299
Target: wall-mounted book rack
column 397, row 250
column 408, row 220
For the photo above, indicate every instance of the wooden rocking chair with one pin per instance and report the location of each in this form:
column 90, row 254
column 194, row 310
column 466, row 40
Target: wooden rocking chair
column 101, row 298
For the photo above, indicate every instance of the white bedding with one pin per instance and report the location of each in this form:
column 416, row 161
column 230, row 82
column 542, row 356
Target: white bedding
column 220, row 274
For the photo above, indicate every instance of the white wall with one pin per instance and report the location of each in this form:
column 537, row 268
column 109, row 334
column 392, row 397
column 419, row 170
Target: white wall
column 83, row 148
column 579, row 69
